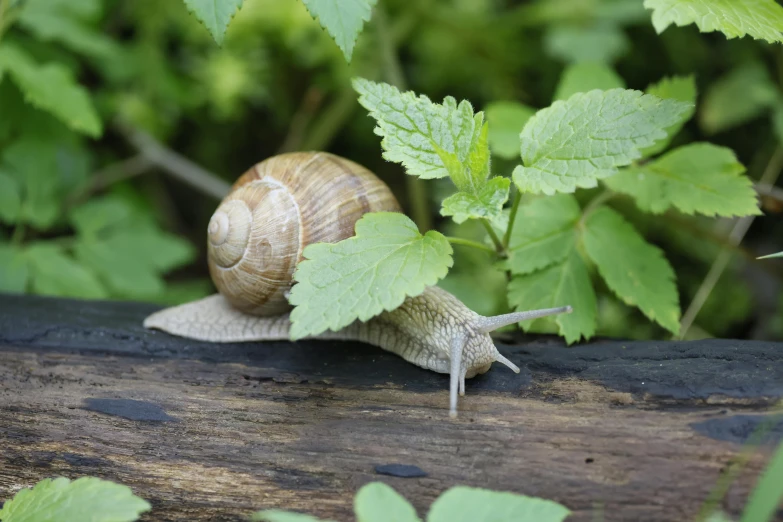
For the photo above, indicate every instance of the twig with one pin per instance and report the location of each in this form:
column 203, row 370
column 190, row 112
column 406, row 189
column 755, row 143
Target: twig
column 470, row 243
column 512, row 217
column 120, row 171
column 736, row 235
column 495, row 239
column 176, row 165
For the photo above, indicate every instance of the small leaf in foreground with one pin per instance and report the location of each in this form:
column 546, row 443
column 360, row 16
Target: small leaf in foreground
column 360, row 277
column 14, row 273
column 506, row 120
column 343, row 19
column 214, row 14
column 575, row 142
column 377, row 502
column 488, row 203
column 561, row 284
column 682, row 88
column 761, row 19
column 464, row 504
column 85, row 498
column 544, row 233
column 277, row 515
column 636, row 271
column 585, row 77
column 414, row 127
column 697, row 178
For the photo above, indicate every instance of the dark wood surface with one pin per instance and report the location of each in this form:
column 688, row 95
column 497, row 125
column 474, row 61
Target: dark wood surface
column 639, row 430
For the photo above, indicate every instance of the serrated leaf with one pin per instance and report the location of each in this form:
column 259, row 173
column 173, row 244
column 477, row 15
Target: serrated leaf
column 377, row 502
column 636, row 271
column 342, row 19
column 61, row 500
column 577, row 43
column 10, row 200
column 585, row 77
column 506, row 120
column 32, row 164
column 575, row 142
column 565, row 283
column 158, row 249
column 697, row 178
column 487, row 203
column 51, row 87
column 99, row 214
column 469, row 175
column 464, row 504
column 214, row 14
column 358, row 278
column 412, row 127
column 122, row 272
column 682, row 88
column 761, row 19
column 54, row 273
column 276, row 515
column 14, row 273
column 544, row 233
column 740, row 96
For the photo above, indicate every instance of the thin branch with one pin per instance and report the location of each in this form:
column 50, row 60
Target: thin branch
column 176, row 165
column 741, row 227
column 467, row 242
column 512, row 218
column 495, row 239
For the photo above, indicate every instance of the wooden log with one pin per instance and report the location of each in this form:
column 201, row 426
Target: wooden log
column 639, row 430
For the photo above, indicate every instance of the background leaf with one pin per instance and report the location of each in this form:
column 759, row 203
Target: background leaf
column 585, row 77
column 10, row 200
column 214, row 14
column 603, row 43
column 54, row 273
column 14, row 273
column 506, row 120
column 377, row 502
column 682, row 88
column 464, row 504
column 343, row 19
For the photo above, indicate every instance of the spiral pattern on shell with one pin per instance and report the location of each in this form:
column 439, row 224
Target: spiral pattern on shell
column 277, row 208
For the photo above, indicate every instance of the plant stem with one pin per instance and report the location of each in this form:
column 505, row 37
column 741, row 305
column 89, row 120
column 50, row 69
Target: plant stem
column 470, row 243
column 736, row 235
column 501, row 251
column 596, row 202
column 512, row 217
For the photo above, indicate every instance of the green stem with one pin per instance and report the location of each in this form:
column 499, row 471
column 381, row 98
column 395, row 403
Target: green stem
column 596, row 202
column 512, row 218
column 495, row 239
column 468, row 242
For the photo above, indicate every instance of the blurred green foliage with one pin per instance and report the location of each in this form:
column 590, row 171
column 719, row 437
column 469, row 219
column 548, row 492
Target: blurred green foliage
column 84, row 213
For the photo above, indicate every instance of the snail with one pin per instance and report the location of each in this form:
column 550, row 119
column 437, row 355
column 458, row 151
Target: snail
column 256, row 237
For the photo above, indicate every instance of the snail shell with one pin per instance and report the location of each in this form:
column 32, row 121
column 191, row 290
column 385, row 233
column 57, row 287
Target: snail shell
column 277, row 208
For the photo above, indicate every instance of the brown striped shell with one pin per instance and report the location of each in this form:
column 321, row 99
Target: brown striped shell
column 274, row 210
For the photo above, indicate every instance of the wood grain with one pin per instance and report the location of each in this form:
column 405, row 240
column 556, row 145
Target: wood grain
column 642, row 431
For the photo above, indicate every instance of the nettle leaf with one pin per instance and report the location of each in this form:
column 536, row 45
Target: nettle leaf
column 585, row 77
column 574, row 143
column 602, row 43
column 10, row 199
column 65, row 501
column 699, row 177
column 358, row 278
column 55, row 273
column 377, row 502
column 636, row 271
column 761, row 19
column 682, row 88
column 486, row 203
column 506, row 120
column 414, row 128
column 14, row 273
column 277, row 515
column 740, row 96
column 214, row 14
column 565, row 283
column 544, row 233
column 465, row 504
column 343, row 19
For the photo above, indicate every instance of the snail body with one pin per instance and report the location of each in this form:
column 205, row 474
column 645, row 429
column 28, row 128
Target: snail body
column 256, row 237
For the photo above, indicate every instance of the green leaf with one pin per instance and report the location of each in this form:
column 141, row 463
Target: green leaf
column 575, row 142
column 464, row 504
column 99, row 214
column 276, row 515
column 633, row 269
column 61, row 500
column 342, row 19
column 32, row 163
column 766, row 497
column 122, row 270
column 740, row 96
column 51, row 87
column 603, row 43
column 699, row 177
column 412, row 127
column 585, row 77
column 506, row 120
column 377, row 502
column 544, row 233
column 14, row 273
column 565, row 283
column 159, row 250
column 487, row 203
column 214, row 14
column 358, row 278
column 10, row 200
column 778, row 254
column 682, row 88
column 777, row 122
column 469, row 175
column 54, row 273
column 761, row 19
